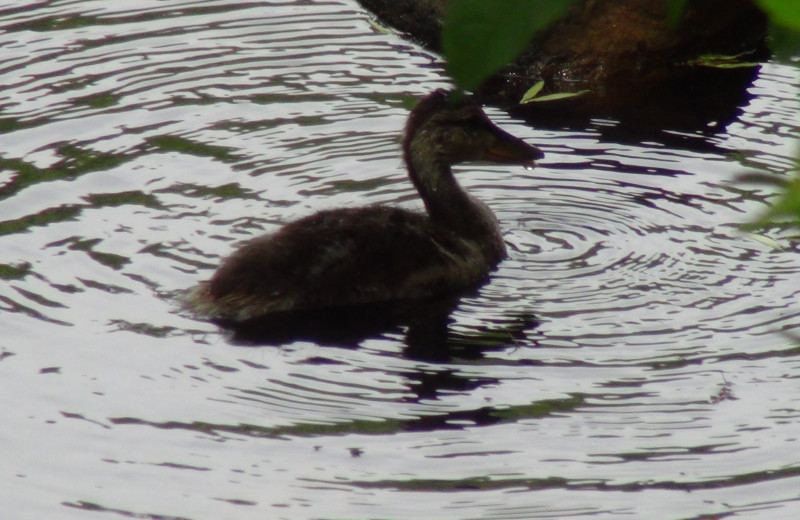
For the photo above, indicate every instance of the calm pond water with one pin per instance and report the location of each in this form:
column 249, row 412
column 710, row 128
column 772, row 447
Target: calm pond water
column 636, row 356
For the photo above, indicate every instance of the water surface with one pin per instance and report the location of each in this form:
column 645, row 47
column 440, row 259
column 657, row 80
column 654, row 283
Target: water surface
column 637, row 355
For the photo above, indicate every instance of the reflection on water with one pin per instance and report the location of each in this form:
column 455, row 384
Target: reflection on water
column 635, row 340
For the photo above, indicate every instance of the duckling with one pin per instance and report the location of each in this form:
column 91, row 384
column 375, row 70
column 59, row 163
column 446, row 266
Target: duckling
column 380, row 254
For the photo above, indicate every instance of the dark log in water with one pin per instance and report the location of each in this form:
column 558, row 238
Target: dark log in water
column 633, row 64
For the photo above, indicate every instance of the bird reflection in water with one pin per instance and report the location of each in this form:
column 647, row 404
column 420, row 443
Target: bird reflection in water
column 425, row 325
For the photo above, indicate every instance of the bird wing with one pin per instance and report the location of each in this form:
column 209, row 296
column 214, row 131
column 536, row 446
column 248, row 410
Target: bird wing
column 344, row 257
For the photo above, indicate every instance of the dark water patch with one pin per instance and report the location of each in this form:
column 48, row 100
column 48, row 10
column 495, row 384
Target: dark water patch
column 15, row 272
column 94, row 507
column 485, row 416
column 558, row 483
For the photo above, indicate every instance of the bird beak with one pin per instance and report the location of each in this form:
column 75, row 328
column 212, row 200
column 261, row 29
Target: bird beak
column 505, row 148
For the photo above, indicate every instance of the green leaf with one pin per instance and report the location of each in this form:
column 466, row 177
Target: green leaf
column 786, row 208
column 784, row 42
column 783, row 12
column 740, row 65
column 380, row 28
column 723, row 61
column 789, row 203
column 481, row 36
column 764, row 239
column 531, row 93
column 558, row 95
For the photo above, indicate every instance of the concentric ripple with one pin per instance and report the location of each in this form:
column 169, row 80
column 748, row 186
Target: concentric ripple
column 641, row 258
column 636, row 355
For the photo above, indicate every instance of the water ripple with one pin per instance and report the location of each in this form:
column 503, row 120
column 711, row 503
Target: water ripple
column 634, row 341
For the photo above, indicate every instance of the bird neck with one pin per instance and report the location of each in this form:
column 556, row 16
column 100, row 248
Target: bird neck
column 447, row 203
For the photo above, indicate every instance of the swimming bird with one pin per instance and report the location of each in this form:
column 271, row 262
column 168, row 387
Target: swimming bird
column 380, row 254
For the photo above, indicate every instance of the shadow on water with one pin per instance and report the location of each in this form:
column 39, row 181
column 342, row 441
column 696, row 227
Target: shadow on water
column 426, row 325
column 673, row 110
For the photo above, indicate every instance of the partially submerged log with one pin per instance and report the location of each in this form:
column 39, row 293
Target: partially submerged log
column 621, row 54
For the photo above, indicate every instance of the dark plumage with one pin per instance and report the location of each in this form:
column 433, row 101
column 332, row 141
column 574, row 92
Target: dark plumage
column 379, row 254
